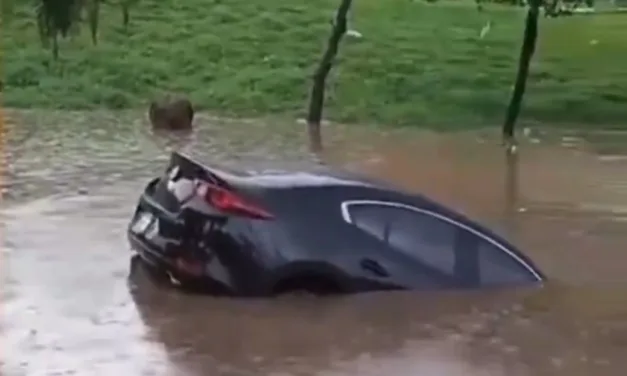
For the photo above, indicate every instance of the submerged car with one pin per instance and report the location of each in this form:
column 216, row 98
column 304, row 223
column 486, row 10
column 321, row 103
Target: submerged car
column 323, row 231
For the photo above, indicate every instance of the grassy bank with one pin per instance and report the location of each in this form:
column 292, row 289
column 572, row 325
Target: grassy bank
column 416, row 63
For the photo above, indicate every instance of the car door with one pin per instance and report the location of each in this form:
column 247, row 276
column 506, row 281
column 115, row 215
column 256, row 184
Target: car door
column 443, row 247
column 420, row 255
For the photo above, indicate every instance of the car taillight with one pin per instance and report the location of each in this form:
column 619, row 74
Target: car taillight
column 229, row 202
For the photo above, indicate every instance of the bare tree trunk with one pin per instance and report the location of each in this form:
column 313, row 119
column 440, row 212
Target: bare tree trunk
column 94, row 17
column 526, row 53
column 125, row 15
column 55, row 45
column 316, row 101
column 42, row 30
column 511, row 190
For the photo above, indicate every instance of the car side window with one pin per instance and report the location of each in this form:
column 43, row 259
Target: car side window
column 372, row 219
column 440, row 244
column 496, row 267
column 427, row 238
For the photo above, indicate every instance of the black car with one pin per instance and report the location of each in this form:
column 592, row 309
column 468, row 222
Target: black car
column 260, row 233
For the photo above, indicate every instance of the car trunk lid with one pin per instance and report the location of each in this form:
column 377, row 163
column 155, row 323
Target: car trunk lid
column 187, row 182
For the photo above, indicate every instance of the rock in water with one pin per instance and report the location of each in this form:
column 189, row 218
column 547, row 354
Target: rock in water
column 171, row 113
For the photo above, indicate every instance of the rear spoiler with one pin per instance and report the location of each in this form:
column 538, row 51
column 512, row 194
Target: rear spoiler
column 192, row 169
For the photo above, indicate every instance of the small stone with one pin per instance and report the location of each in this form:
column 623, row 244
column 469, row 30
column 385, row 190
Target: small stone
column 171, row 113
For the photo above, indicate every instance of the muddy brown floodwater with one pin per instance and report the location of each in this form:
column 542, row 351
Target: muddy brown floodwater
column 71, row 306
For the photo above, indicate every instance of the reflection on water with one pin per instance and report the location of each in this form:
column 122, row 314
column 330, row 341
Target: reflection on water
column 73, row 303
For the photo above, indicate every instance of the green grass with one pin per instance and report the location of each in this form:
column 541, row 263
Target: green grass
column 417, row 63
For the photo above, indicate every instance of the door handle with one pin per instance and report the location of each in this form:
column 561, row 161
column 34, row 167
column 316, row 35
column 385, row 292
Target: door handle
column 374, row 267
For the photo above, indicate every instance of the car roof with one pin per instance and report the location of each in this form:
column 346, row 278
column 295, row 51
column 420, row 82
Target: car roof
column 295, row 174
column 276, row 178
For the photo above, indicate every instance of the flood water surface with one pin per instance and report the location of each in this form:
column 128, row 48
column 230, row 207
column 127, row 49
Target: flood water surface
column 75, row 304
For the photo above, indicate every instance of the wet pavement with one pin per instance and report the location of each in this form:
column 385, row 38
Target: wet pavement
column 75, row 304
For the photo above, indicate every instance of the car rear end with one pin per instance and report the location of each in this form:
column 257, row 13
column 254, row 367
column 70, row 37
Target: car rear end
column 177, row 226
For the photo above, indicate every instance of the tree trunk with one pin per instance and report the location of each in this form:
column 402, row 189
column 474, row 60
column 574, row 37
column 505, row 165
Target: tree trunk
column 511, row 190
column 55, row 45
column 526, row 53
column 94, row 17
column 42, row 30
column 316, row 100
column 125, row 15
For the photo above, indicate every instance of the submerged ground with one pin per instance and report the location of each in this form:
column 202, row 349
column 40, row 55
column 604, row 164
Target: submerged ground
column 417, row 63
column 72, row 306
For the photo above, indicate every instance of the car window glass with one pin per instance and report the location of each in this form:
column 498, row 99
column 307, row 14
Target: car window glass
column 433, row 241
column 427, row 238
column 496, row 267
column 371, row 218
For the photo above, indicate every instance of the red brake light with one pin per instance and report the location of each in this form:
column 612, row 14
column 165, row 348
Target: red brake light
column 229, row 202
